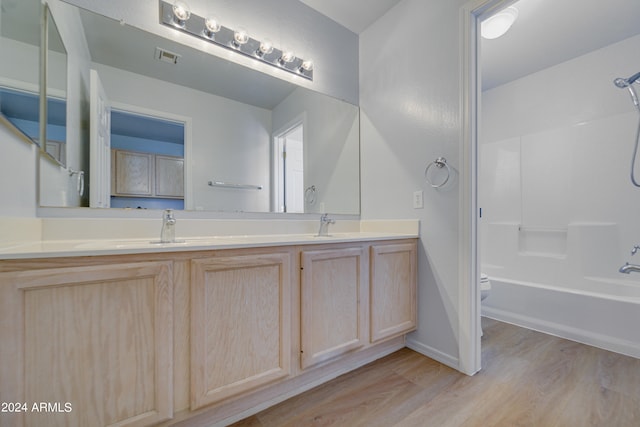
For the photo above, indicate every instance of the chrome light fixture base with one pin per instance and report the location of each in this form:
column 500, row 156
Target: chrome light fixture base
column 195, row 25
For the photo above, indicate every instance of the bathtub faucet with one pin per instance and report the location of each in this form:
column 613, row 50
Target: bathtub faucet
column 635, row 249
column 628, row 268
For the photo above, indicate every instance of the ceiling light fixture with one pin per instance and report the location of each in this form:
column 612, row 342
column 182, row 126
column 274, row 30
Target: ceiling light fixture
column 178, row 16
column 499, row 23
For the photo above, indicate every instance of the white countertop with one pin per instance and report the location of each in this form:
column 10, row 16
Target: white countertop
column 97, row 247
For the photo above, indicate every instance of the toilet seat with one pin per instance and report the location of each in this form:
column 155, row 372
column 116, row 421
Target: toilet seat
column 485, row 283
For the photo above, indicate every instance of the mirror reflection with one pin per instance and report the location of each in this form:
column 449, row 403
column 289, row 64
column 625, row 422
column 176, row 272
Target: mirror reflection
column 175, row 127
column 56, row 90
column 19, row 70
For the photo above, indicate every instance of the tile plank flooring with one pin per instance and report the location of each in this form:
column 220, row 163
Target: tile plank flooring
column 528, row 379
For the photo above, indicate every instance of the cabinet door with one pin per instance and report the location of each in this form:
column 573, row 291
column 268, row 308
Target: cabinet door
column 169, row 176
column 334, row 302
column 240, row 324
column 134, row 173
column 393, row 290
column 94, row 344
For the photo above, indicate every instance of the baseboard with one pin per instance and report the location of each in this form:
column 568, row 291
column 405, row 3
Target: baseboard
column 565, row 331
column 433, row 353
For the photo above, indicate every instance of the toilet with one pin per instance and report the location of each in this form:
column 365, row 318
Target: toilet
column 485, row 288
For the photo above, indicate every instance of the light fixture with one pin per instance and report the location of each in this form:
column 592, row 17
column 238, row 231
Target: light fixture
column 178, row 16
column 181, row 13
column 286, row 57
column 212, row 26
column 266, row 47
column 240, row 37
column 498, row 24
column 306, row 66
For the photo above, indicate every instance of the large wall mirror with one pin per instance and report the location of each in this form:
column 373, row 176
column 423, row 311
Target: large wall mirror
column 175, row 127
column 20, row 22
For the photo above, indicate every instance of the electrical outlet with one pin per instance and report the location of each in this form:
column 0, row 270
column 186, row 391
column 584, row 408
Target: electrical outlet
column 418, row 200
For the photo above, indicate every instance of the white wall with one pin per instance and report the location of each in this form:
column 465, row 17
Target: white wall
column 556, row 151
column 290, row 23
column 409, row 98
column 331, row 155
column 17, row 156
column 17, row 175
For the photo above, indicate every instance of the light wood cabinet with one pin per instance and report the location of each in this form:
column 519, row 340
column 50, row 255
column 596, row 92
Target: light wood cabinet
column 146, row 339
column 240, row 324
column 333, row 303
column 96, row 341
column 135, row 174
column 393, row 290
column 169, row 177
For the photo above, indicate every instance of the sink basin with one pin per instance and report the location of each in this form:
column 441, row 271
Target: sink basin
column 146, row 243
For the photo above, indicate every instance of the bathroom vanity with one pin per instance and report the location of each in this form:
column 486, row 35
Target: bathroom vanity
column 128, row 334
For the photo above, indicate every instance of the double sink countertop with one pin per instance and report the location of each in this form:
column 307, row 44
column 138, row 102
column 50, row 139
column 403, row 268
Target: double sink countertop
column 55, row 238
column 94, row 247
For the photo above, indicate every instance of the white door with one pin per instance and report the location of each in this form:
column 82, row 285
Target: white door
column 100, row 145
column 294, row 172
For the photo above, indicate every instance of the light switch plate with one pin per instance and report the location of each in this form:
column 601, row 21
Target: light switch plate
column 418, row 199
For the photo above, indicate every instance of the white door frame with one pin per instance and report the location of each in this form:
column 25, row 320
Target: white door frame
column 469, row 357
column 299, row 120
column 188, row 142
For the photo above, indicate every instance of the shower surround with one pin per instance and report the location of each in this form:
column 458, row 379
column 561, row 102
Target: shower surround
column 559, row 214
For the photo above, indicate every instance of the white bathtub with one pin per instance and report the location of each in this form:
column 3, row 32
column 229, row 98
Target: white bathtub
column 601, row 312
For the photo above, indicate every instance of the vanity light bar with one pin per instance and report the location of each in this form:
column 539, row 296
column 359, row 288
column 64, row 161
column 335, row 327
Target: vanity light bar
column 237, row 40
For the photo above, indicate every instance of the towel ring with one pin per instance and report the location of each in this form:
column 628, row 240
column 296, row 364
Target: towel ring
column 80, row 182
column 310, row 195
column 440, row 163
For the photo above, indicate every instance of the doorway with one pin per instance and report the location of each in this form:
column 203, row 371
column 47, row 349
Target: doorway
column 289, row 168
column 151, row 144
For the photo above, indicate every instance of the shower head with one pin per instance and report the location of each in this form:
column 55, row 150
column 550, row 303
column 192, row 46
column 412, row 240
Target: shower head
column 623, row 83
column 628, row 84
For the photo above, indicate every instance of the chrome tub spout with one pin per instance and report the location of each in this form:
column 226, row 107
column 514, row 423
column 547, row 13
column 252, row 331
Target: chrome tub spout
column 628, row 268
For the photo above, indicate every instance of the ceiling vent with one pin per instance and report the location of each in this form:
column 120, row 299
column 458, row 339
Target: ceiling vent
column 166, row 56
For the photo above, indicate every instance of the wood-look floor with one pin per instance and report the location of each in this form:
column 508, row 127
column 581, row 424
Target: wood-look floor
column 528, row 379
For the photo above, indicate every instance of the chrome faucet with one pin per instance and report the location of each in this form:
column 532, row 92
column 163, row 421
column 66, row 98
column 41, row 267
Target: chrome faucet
column 628, row 268
column 168, row 233
column 323, row 231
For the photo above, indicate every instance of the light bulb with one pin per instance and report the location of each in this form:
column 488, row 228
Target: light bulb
column 307, row 65
column 287, row 56
column 266, row 47
column 240, row 37
column 213, row 25
column 181, row 12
